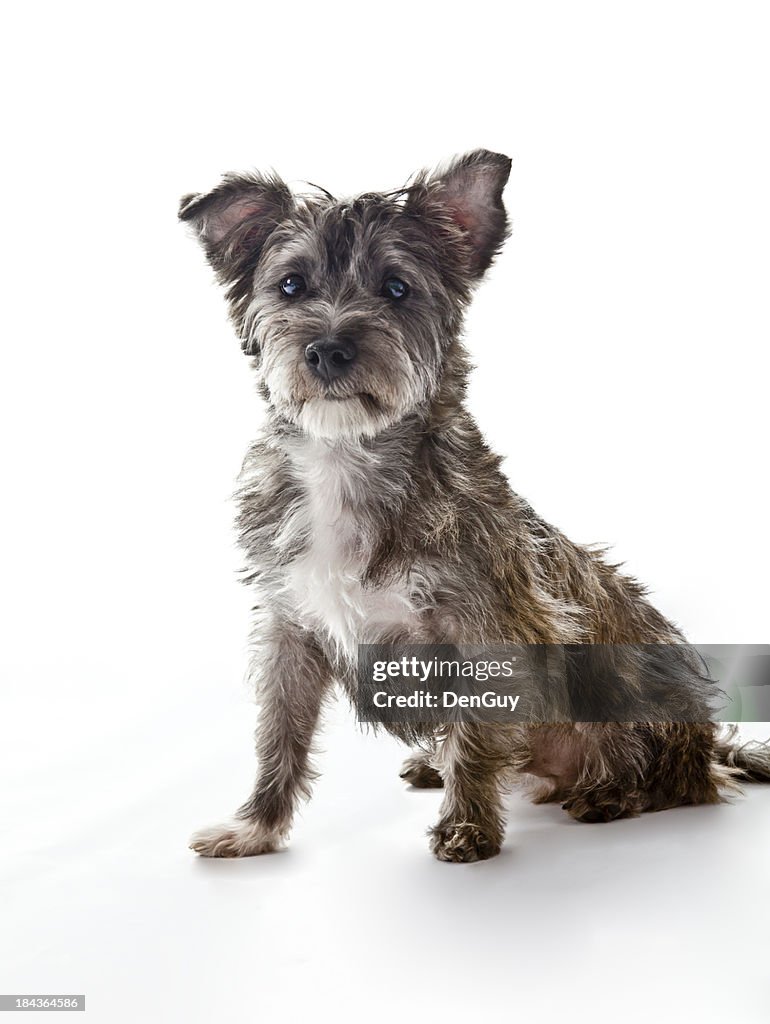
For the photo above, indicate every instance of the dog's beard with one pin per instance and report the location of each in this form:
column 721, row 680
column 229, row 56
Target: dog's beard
column 330, row 419
column 358, row 406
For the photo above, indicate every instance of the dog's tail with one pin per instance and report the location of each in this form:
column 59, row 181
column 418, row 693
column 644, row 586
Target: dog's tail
column 751, row 759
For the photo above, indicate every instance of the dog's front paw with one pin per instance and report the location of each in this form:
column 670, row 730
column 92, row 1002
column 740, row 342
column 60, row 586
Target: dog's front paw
column 419, row 773
column 463, row 842
column 240, row 839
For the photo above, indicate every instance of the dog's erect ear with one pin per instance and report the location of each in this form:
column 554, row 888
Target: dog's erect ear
column 470, row 192
column 234, row 220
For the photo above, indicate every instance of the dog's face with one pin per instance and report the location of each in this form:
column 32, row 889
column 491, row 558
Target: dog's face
column 351, row 307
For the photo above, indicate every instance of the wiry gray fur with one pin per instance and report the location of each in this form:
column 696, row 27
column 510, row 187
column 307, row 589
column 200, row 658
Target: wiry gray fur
column 372, row 510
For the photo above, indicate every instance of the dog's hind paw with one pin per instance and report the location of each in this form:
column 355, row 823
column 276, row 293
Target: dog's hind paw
column 240, row 839
column 592, row 808
column 462, row 843
column 419, row 773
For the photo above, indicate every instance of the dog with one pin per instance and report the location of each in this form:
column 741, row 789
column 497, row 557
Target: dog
column 372, row 511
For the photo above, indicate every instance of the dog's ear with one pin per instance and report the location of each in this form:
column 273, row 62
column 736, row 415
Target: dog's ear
column 234, row 220
column 469, row 194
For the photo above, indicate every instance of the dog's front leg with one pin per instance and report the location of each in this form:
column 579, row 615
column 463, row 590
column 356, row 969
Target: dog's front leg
column 473, row 758
column 294, row 677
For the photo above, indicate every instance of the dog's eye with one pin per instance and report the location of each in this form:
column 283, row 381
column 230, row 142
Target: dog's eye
column 395, row 288
column 293, row 285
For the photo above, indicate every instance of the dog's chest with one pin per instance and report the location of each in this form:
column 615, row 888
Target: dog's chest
column 324, row 584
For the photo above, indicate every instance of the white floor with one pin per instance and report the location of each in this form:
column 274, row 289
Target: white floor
column 664, row 917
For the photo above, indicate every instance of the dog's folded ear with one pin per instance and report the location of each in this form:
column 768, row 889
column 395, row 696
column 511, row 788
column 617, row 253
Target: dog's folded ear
column 469, row 193
column 233, row 221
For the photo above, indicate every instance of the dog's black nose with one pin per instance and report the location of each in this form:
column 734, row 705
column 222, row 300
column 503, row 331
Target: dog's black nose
column 330, row 359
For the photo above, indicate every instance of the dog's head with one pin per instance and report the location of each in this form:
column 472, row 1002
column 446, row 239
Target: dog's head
column 350, row 307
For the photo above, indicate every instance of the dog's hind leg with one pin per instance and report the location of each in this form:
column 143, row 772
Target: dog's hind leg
column 294, row 677
column 686, row 766
column 612, row 763
column 473, row 759
column 631, row 768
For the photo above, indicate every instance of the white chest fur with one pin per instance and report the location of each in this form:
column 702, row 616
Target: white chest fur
column 324, row 584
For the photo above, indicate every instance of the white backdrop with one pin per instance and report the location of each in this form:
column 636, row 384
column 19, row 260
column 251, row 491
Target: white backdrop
column 621, row 350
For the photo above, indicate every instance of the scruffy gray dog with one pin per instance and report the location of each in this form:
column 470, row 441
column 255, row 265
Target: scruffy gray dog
column 372, row 511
